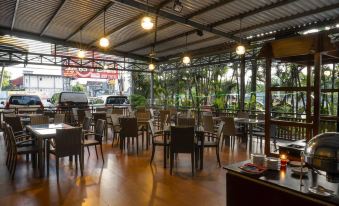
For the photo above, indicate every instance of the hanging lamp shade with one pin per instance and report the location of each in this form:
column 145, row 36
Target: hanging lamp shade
column 81, row 54
column 151, row 66
column 186, row 60
column 240, row 50
column 104, row 42
column 147, row 23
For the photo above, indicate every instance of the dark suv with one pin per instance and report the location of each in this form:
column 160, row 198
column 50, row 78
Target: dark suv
column 24, row 100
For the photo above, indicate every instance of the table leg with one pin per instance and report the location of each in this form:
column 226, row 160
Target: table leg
column 40, row 166
column 202, row 139
column 250, row 128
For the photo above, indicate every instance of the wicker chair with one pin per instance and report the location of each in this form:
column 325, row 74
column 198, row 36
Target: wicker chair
column 67, row 143
column 230, row 130
column 129, row 129
column 115, row 127
column 156, row 141
column 59, row 118
column 36, row 120
column 14, row 150
column 182, row 141
column 215, row 142
column 186, row 122
column 98, row 135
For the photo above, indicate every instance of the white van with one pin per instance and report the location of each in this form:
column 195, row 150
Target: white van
column 70, row 99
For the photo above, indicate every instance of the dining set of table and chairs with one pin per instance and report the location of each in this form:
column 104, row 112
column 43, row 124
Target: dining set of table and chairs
column 60, row 136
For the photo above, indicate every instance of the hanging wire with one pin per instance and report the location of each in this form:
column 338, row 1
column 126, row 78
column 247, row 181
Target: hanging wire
column 186, row 42
column 104, row 22
column 240, row 30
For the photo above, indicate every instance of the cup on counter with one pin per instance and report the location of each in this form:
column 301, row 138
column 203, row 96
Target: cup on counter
column 258, row 159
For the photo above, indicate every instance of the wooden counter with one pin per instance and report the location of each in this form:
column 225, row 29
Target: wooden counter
column 277, row 188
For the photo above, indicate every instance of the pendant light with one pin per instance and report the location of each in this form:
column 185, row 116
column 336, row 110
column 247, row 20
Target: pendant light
column 146, row 21
column 104, row 42
column 186, row 59
column 151, row 66
column 81, row 53
column 240, row 50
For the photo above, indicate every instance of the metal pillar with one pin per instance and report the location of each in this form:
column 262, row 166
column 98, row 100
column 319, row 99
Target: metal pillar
column 152, row 89
column 242, row 84
column 2, row 75
column 317, row 80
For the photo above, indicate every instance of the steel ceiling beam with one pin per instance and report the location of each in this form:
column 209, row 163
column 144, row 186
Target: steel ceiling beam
column 189, row 44
column 107, row 6
column 196, row 13
column 288, row 18
column 222, row 48
column 128, row 22
column 252, row 12
column 52, row 40
column 227, row 20
column 55, row 14
column 178, row 19
column 14, row 13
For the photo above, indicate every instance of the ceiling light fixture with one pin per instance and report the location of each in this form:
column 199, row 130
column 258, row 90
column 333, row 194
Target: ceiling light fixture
column 146, row 21
column 151, row 66
column 81, row 53
column 104, row 42
column 177, row 6
column 186, row 59
column 240, row 50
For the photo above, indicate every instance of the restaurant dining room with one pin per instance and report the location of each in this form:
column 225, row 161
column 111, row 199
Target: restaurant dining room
column 169, row 102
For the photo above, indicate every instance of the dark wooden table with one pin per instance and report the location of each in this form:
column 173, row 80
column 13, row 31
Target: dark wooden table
column 278, row 188
column 44, row 132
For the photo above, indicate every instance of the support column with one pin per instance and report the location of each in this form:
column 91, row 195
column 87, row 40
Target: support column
column 317, row 89
column 308, row 102
column 254, row 83
column 152, row 89
column 242, row 83
column 268, row 106
column 2, row 75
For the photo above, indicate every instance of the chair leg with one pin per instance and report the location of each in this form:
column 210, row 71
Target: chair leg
column 102, row 154
column 96, row 151
column 217, row 153
column 76, row 162
column 171, row 162
column 193, row 165
column 57, row 167
column 47, row 163
column 82, row 161
column 89, row 154
column 153, row 151
column 137, row 144
column 14, row 167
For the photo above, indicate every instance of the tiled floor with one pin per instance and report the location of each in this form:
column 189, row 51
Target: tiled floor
column 124, row 179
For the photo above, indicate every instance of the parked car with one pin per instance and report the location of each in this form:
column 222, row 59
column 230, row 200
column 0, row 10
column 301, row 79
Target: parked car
column 111, row 100
column 70, row 99
column 24, row 101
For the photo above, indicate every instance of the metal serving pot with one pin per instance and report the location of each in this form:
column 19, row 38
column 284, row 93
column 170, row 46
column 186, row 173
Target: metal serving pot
column 322, row 153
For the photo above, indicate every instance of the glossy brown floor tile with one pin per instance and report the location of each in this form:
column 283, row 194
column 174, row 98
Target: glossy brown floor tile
column 124, row 179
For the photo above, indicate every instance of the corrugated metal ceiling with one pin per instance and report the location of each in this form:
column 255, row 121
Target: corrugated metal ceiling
column 32, row 16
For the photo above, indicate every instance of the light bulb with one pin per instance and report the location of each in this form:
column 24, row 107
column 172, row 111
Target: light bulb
column 147, row 23
column 105, row 66
column 151, row 66
column 186, row 60
column 327, row 73
column 240, row 50
column 104, row 42
column 81, row 54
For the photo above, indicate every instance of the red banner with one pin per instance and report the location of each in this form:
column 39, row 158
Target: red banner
column 89, row 73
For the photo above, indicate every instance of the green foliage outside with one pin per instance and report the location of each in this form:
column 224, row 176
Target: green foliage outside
column 6, row 84
column 218, row 86
column 78, row 87
column 137, row 100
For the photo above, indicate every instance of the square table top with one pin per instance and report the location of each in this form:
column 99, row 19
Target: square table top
column 46, row 130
